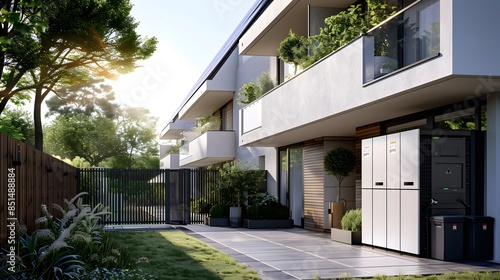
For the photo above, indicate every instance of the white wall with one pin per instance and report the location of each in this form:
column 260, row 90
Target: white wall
column 476, row 36
column 492, row 192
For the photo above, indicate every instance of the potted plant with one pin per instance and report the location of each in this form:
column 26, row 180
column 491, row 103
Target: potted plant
column 238, row 182
column 294, row 49
column 268, row 212
column 388, row 66
column 218, row 216
column 339, row 162
column 351, row 228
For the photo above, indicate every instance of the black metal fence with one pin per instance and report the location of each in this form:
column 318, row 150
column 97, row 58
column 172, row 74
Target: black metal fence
column 139, row 196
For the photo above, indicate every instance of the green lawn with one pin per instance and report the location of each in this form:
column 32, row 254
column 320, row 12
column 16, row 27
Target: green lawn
column 175, row 255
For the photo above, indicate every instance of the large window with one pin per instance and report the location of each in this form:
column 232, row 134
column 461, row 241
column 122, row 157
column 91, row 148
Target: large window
column 454, row 116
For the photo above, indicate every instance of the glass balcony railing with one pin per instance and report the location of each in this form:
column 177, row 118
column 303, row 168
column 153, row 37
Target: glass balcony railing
column 409, row 37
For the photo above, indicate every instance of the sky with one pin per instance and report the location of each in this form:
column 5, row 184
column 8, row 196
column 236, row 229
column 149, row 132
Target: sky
column 189, row 33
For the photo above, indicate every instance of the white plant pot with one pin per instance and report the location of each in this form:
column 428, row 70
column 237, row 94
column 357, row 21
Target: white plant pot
column 235, row 216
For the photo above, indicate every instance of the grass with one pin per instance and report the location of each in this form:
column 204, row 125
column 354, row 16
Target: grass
column 175, row 255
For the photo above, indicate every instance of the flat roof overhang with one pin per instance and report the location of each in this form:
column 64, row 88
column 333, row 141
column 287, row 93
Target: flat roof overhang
column 173, row 130
column 454, row 89
column 265, row 35
column 205, row 101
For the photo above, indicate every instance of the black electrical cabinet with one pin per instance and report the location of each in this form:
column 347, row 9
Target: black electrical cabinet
column 448, row 181
column 478, row 237
column 447, row 235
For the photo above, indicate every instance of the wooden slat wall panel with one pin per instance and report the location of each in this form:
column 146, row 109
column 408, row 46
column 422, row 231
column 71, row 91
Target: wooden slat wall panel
column 229, row 116
column 35, row 184
column 368, row 131
column 314, row 178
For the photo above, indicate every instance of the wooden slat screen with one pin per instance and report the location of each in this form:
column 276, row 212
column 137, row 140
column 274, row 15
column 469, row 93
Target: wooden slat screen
column 40, row 179
column 314, row 178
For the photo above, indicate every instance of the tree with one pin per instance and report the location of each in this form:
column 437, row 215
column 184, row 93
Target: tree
column 85, row 40
column 126, row 141
column 137, row 133
column 20, row 21
column 339, row 162
column 93, row 138
column 94, row 97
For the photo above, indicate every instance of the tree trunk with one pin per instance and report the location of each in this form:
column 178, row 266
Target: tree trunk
column 37, row 118
column 3, row 103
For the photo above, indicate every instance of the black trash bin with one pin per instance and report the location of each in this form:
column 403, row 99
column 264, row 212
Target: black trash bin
column 447, row 237
column 478, row 238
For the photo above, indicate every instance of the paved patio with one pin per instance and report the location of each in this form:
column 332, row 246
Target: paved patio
column 301, row 254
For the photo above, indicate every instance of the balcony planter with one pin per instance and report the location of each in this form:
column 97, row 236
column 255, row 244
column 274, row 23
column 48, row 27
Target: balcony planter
column 218, row 222
column 346, row 236
column 218, row 216
column 268, row 212
column 351, row 228
column 256, row 224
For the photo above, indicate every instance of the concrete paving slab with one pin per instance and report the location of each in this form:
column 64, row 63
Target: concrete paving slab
column 281, row 256
column 328, row 273
column 380, row 261
column 307, row 264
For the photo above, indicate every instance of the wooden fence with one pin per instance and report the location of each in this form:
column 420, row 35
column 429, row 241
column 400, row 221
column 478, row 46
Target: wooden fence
column 32, row 178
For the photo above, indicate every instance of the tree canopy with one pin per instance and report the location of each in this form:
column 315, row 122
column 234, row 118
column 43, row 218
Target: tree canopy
column 128, row 140
column 84, row 40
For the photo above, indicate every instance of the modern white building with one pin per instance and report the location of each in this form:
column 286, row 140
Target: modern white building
column 446, row 82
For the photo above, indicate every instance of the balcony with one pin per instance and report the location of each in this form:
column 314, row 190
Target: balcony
column 209, row 148
column 265, row 35
column 170, row 162
column 409, row 37
column 206, row 100
column 173, row 130
column 214, row 93
column 343, row 90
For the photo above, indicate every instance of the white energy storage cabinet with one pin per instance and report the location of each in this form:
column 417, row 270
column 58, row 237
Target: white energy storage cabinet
column 408, row 177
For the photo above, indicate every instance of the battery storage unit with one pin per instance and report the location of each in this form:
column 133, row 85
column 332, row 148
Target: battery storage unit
column 402, row 173
column 367, row 191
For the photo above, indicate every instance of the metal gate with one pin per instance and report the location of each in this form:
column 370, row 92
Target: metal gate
column 145, row 196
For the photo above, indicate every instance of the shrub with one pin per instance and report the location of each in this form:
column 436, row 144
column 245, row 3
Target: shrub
column 251, row 91
column 352, row 220
column 65, row 247
column 219, row 211
column 268, row 208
